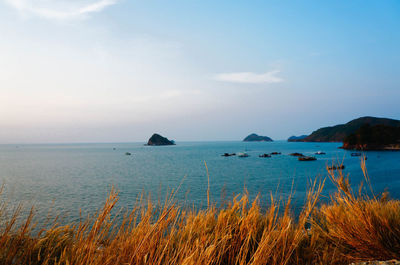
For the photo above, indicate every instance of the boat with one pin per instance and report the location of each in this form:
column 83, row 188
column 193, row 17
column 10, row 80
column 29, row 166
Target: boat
column 228, row 154
column 242, row 155
column 275, row 153
column 306, row 158
column 320, row 153
column 336, row 167
column 355, row 154
column 127, row 153
column 296, row 154
column 264, row 155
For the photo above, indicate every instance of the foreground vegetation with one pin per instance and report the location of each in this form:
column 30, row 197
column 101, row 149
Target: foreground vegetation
column 351, row 227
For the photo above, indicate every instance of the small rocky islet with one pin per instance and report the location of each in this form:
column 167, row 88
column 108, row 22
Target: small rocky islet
column 257, row 138
column 158, row 140
column 296, row 138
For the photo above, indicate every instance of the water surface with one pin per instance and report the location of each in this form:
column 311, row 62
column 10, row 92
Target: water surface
column 69, row 177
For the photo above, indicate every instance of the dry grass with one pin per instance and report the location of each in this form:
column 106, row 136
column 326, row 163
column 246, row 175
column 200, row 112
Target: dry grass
column 352, row 227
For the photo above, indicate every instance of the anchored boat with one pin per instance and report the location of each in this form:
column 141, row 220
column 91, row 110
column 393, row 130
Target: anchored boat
column 306, row 158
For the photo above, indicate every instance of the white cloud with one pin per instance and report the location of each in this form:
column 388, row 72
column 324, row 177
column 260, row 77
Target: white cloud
column 250, row 78
column 60, row 9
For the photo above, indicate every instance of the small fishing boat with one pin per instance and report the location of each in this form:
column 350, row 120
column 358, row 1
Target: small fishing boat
column 296, row 154
column 264, row 155
column 275, row 153
column 306, row 158
column 242, row 155
column 228, row 154
column 335, row 167
column 320, row 153
column 127, row 153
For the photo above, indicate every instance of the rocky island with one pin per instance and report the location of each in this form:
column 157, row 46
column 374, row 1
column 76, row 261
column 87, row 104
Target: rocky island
column 296, row 138
column 257, row 138
column 339, row 132
column 157, row 139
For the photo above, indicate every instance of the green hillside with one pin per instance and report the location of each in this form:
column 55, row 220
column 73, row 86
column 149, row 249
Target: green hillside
column 377, row 137
column 339, row 132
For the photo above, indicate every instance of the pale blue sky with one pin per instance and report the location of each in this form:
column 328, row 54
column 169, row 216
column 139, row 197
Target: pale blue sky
column 119, row 70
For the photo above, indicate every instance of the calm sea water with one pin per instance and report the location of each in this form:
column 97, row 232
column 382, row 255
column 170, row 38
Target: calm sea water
column 69, row 177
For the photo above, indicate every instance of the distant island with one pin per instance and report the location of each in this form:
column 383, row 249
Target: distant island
column 157, row 139
column 296, row 138
column 338, row 133
column 257, row 138
column 377, row 137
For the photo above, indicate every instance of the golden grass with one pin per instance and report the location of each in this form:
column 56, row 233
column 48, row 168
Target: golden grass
column 351, row 227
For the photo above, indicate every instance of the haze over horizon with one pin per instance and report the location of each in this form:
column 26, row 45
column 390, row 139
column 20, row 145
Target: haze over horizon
column 120, row 70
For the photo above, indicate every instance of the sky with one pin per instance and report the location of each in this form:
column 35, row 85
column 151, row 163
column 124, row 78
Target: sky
column 191, row 70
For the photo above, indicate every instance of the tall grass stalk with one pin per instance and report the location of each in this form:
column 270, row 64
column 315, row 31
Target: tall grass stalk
column 351, row 227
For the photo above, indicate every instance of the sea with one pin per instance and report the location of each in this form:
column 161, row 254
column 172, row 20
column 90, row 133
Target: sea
column 73, row 180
